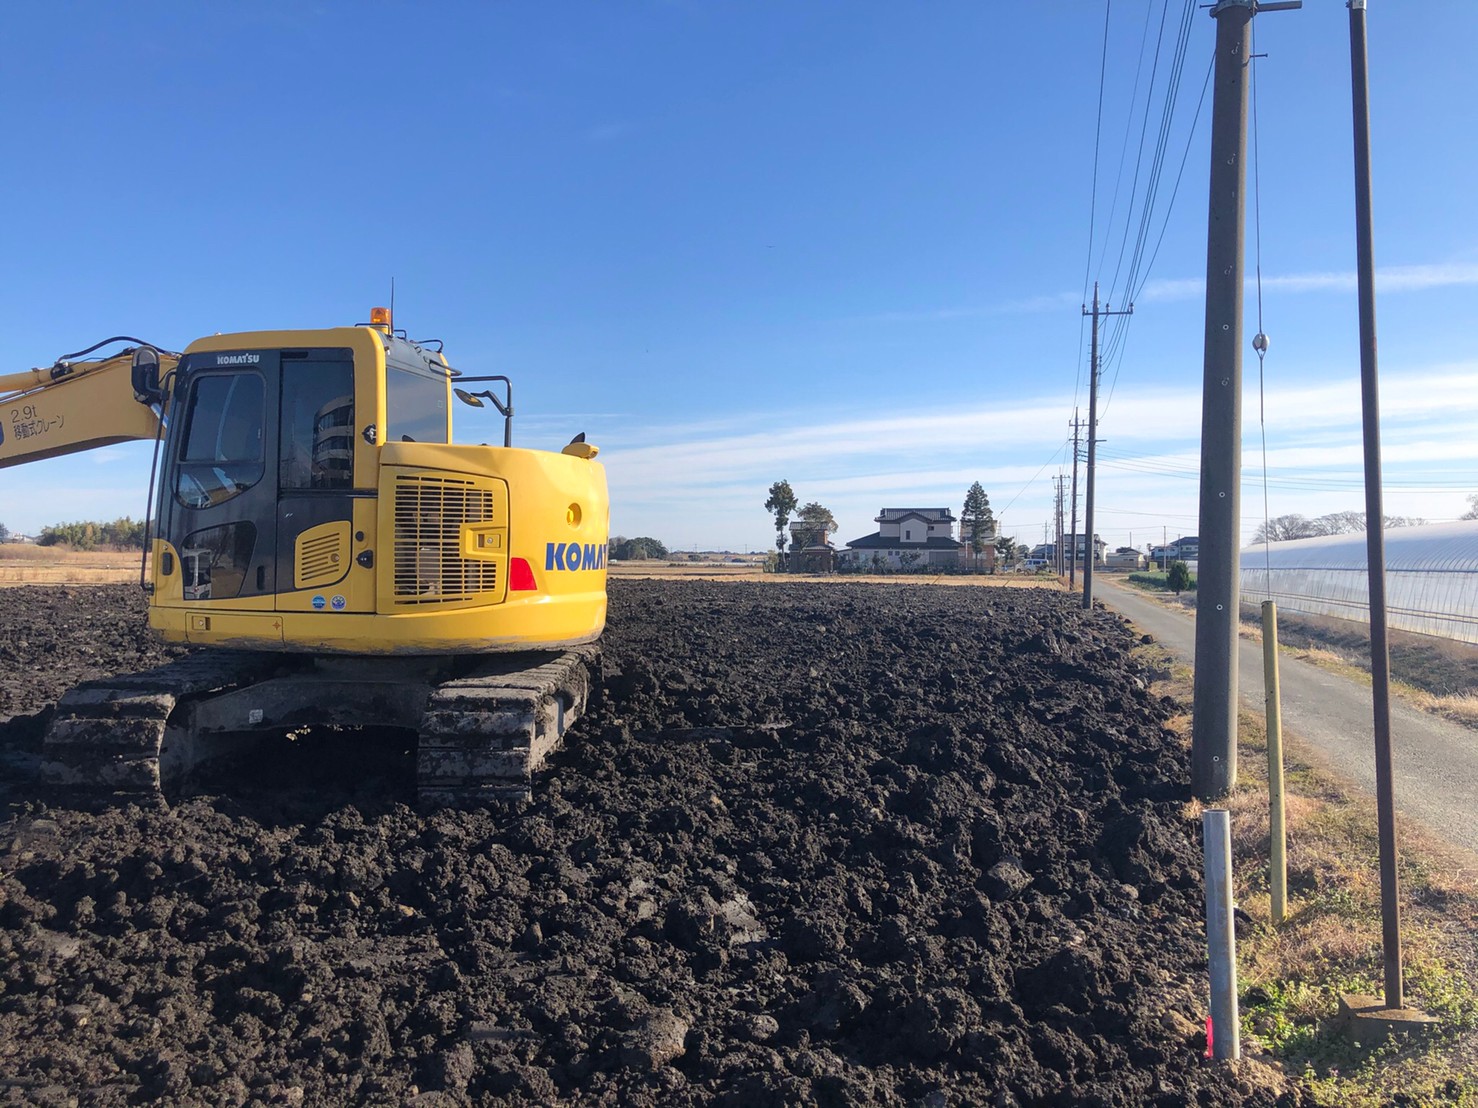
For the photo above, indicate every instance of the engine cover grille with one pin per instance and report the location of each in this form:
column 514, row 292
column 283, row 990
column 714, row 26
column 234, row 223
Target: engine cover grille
column 429, row 514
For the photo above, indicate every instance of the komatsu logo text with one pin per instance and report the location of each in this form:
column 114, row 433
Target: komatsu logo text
column 571, row 555
column 238, row 359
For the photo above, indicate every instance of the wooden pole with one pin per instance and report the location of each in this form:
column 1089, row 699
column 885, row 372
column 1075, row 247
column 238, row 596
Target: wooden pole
column 1277, row 826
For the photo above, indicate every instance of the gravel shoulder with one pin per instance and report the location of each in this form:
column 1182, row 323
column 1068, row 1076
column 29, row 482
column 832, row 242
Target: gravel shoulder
column 1436, row 760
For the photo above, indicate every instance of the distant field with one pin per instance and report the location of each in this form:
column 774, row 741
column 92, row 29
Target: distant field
column 25, row 564
column 710, row 571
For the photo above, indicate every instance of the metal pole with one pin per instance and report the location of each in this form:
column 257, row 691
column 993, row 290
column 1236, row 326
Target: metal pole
column 1214, row 723
column 1277, row 820
column 1221, row 939
column 1380, row 663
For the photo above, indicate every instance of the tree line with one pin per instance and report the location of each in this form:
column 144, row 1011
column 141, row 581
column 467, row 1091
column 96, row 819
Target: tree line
column 640, row 549
column 121, row 534
column 1295, row 526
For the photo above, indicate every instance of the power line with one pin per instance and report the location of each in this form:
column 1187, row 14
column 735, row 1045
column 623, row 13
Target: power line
column 1097, row 136
column 1033, row 480
column 1139, row 156
column 1128, row 123
column 1142, row 256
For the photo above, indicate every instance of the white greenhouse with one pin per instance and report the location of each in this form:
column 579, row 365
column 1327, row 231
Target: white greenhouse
column 1431, row 578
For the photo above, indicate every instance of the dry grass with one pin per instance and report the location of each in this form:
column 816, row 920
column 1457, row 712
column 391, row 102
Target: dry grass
column 1291, row 975
column 26, row 564
column 1462, row 707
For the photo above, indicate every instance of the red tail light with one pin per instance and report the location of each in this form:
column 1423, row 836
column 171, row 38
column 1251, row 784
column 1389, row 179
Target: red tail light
column 521, row 576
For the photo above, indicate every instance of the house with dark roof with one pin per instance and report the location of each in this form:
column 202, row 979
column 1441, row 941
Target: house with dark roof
column 907, row 537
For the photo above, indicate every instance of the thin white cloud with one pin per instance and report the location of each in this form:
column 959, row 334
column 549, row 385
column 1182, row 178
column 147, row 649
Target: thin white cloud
column 713, row 484
column 1396, row 278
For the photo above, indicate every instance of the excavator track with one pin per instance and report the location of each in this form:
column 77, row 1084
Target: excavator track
column 107, row 736
column 483, row 736
column 484, row 725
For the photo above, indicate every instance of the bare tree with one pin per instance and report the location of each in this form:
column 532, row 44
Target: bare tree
column 1284, row 528
column 1338, row 523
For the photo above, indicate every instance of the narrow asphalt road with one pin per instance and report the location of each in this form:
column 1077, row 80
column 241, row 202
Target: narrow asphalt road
column 1436, row 761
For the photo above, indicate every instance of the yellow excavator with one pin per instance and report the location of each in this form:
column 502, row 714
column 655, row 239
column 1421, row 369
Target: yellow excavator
column 311, row 520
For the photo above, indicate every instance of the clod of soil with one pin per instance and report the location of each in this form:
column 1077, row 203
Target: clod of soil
column 863, row 844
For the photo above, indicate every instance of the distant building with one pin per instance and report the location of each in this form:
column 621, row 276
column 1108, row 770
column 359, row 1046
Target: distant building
column 1187, row 548
column 810, row 549
column 1048, row 550
column 333, row 444
column 909, row 537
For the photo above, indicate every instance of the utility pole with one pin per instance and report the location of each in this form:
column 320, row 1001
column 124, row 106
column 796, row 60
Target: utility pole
column 1218, row 593
column 1072, row 564
column 1093, row 440
column 1375, row 546
column 1057, row 518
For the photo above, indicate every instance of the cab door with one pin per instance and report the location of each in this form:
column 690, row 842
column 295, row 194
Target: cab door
column 316, row 483
column 219, row 494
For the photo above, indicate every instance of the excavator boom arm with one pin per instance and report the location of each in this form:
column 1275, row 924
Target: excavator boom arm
column 74, row 406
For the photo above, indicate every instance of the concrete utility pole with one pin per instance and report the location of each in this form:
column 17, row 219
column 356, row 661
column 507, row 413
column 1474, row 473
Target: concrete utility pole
column 1072, row 565
column 1092, row 442
column 1218, row 593
column 1380, row 661
column 1057, row 519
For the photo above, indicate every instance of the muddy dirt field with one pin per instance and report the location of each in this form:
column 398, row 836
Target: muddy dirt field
column 862, row 844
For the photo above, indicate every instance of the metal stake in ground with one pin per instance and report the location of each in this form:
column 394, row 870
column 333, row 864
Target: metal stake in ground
column 1221, row 940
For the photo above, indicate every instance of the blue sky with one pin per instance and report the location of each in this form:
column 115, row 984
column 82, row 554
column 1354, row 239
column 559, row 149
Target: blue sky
column 842, row 244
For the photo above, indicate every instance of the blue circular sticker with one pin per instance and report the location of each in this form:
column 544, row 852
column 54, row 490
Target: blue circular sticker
column 318, row 603
column 338, row 603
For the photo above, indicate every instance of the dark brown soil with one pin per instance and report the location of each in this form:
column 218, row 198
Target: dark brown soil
column 853, row 844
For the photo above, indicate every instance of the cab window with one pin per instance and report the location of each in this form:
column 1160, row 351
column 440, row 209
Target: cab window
column 317, row 446
column 415, row 405
column 221, row 451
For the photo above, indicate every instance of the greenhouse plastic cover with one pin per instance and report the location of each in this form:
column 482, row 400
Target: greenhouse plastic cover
column 1431, row 578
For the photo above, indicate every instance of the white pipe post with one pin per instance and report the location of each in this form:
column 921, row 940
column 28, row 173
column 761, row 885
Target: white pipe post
column 1221, row 940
